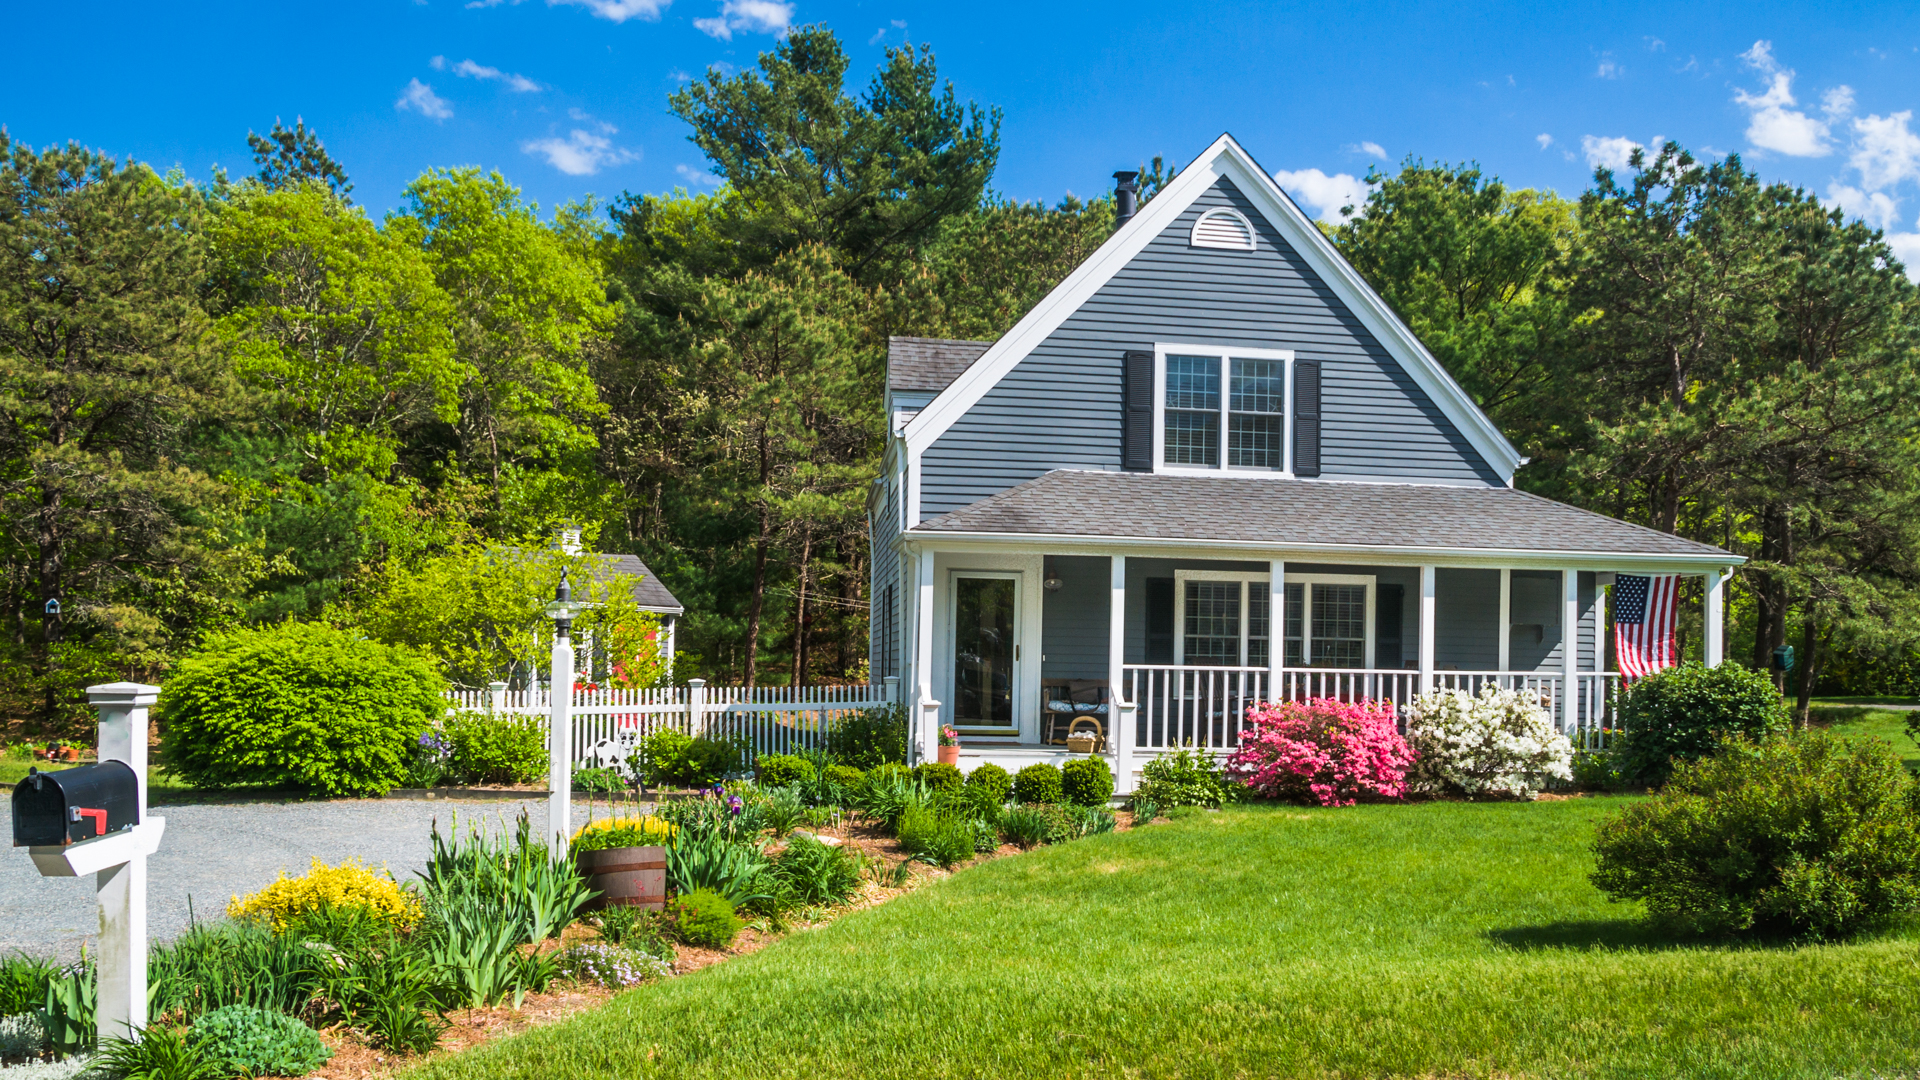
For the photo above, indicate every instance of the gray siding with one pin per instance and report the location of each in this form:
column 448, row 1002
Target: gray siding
column 1073, row 621
column 1535, row 618
column 884, row 590
column 1060, row 406
column 1466, row 619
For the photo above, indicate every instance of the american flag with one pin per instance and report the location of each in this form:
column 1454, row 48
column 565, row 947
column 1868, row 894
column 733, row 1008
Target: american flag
column 1643, row 622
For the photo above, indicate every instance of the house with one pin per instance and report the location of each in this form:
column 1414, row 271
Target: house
column 649, row 594
column 1211, row 429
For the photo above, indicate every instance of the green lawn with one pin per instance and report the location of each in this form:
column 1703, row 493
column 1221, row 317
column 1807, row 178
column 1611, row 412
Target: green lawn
column 1438, row 940
column 1858, row 719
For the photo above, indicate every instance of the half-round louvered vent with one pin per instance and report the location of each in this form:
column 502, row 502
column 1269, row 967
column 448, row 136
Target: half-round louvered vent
column 1223, row 228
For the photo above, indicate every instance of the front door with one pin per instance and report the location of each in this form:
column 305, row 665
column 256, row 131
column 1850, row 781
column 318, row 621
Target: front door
column 986, row 648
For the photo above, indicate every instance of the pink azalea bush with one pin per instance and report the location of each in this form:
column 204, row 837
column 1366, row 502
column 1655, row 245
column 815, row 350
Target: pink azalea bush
column 1324, row 750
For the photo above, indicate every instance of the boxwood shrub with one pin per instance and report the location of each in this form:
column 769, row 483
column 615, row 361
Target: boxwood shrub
column 1683, row 712
column 298, row 705
column 988, row 785
column 939, row 776
column 1086, row 782
column 495, row 748
column 1037, row 783
column 780, row 770
column 1807, row 834
column 704, row 918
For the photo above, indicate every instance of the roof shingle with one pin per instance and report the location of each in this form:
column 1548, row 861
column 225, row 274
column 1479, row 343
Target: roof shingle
column 929, row 363
column 1069, row 502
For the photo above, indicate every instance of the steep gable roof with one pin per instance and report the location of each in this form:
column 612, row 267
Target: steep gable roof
column 1224, row 159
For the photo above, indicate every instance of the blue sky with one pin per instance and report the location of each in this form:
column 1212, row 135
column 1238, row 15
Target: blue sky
column 568, row 97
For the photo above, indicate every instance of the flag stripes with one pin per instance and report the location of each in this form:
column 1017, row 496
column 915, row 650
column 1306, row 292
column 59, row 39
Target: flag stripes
column 1643, row 622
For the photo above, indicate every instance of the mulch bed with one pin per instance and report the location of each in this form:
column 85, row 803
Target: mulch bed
column 354, row 1060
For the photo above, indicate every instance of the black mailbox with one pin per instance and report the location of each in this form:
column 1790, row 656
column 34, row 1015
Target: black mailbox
column 58, row 808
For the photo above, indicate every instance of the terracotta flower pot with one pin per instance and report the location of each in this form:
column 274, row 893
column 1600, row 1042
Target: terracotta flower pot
column 949, row 755
column 69, row 753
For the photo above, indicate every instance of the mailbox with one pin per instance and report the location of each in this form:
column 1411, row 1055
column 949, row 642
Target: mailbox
column 53, row 809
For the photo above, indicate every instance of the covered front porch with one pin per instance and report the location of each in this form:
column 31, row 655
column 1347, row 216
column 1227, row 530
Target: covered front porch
column 1152, row 649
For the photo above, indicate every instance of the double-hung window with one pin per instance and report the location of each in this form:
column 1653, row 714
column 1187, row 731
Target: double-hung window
column 1222, row 409
column 1223, row 618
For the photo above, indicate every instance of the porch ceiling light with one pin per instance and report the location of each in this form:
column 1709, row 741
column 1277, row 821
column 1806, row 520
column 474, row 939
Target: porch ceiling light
column 1052, row 583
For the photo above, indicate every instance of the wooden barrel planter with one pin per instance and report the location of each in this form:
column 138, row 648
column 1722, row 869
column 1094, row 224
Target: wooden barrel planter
column 625, row 877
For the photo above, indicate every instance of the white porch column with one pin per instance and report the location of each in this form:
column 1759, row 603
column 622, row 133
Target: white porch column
column 1506, row 620
column 927, row 723
column 1120, row 721
column 1569, row 649
column 1276, row 627
column 1716, row 613
column 1428, row 587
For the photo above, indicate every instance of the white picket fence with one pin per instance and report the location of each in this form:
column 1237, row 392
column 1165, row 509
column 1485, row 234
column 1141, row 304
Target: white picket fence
column 607, row 723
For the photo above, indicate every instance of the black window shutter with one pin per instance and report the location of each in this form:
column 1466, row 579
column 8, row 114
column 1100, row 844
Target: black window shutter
column 1389, row 604
column 1306, row 418
column 1159, row 621
column 1136, row 429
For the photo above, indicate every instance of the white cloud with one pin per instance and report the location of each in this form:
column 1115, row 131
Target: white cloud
column 1906, row 248
column 757, row 16
column 1837, row 103
column 1371, row 149
column 438, row 63
column 694, row 176
column 1654, row 44
column 1885, row 150
column 1608, row 68
column 420, row 98
column 1326, row 194
column 1545, row 140
column 1775, row 124
column 612, row 10
column 1876, row 208
column 467, row 69
column 581, row 153
column 1608, row 153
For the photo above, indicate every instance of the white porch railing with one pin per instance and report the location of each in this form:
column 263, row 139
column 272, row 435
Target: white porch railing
column 607, row 723
column 1207, row 706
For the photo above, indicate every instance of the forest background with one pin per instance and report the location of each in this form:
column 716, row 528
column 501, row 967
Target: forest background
column 245, row 401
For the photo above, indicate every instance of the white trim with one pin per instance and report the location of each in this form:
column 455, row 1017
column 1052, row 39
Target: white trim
column 1276, row 610
column 1225, row 158
column 1712, row 644
column 1570, row 628
column 950, row 671
column 1506, row 618
column 1226, row 356
column 1490, row 558
column 1429, row 588
column 1252, row 234
column 1276, row 617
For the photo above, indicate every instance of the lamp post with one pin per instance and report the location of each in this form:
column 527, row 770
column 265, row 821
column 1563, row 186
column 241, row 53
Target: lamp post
column 560, row 718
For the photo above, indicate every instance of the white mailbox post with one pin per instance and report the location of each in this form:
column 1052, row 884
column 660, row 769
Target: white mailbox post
column 118, row 862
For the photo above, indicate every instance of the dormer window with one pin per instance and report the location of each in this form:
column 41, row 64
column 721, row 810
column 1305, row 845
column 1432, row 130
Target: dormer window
column 1222, row 410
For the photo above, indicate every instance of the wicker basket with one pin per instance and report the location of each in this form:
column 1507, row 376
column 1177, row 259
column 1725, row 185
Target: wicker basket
column 1082, row 744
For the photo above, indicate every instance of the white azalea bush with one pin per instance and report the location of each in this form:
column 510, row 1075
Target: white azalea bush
column 1502, row 741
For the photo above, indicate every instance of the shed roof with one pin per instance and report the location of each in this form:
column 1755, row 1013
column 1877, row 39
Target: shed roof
column 929, row 363
column 1312, row 513
column 648, row 592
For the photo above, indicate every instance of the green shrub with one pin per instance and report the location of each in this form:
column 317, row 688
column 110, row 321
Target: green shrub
column 845, row 777
column 497, row 748
column 162, row 1053
column 1037, row 783
column 870, row 738
column 1186, row 777
column 1086, row 782
column 600, row 779
column 669, row 757
column 298, row 705
column 1684, row 711
column 939, row 776
column 704, row 918
column 1026, row 826
column 939, row 838
column 988, row 785
column 779, row 770
column 1809, row 834
column 817, row 873
column 256, row 1042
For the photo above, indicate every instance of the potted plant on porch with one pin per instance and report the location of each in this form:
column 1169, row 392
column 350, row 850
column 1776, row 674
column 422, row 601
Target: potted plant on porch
column 949, row 746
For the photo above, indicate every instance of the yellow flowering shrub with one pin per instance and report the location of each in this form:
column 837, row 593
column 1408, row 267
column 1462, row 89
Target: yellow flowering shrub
column 347, row 885
column 615, row 832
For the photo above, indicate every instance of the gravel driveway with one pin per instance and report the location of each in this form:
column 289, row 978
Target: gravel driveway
column 213, row 851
